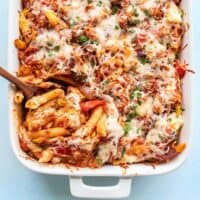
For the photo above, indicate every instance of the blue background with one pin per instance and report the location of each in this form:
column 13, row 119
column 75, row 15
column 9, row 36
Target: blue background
column 17, row 182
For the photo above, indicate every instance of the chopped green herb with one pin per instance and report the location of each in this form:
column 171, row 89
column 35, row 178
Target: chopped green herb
column 169, row 119
column 143, row 59
column 116, row 73
column 136, row 94
column 72, row 24
column 89, row 1
column 138, row 130
column 131, row 31
column 116, row 27
column 56, row 48
column 78, row 18
column 127, row 128
column 49, row 44
column 115, row 9
column 170, row 61
column 92, row 62
column 83, row 38
column 132, row 114
column 79, row 77
column 106, row 82
column 123, row 151
column 99, row 3
column 160, row 136
column 134, row 22
column 50, row 53
column 146, row 12
column 98, row 161
column 94, row 42
column 182, row 12
column 135, row 12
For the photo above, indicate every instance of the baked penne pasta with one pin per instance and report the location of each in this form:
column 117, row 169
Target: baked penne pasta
column 52, row 18
column 101, row 126
column 118, row 76
column 37, row 101
column 46, row 156
column 49, row 133
column 90, row 125
column 19, row 97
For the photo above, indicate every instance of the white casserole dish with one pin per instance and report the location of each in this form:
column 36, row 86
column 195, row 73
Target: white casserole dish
column 78, row 188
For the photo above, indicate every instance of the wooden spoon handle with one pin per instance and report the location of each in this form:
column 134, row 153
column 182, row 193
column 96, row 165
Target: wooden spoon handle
column 25, row 88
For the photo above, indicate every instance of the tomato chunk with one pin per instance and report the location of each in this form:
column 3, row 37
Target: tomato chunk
column 89, row 105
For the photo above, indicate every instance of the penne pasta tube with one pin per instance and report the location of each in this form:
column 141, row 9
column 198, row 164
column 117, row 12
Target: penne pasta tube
column 39, row 100
column 19, row 97
column 53, row 19
column 23, row 22
column 46, row 156
column 20, row 44
column 76, row 91
column 48, row 133
column 101, row 126
column 39, row 140
column 35, row 149
column 88, row 128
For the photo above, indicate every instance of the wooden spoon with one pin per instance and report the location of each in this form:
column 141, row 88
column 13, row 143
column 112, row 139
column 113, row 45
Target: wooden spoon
column 28, row 90
column 65, row 78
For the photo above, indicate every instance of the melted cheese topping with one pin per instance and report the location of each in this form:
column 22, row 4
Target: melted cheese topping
column 124, row 52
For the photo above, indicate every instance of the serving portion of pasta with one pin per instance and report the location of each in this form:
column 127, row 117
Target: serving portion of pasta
column 110, row 79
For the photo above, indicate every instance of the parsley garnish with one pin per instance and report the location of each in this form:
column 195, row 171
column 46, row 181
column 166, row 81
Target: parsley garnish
column 143, row 59
column 99, row 3
column 138, row 130
column 135, row 94
column 134, row 22
column 146, row 12
column 98, row 161
column 160, row 136
column 170, row 61
column 72, row 24
column 116, row 27
column 49, row 44
column 83, row 38
column 50, row 53
column 78, row 18
column 115, row 9
column 135, row 12
column 132, row 114
column 106, row 82
column 123, row 151
column 127, row 128
column 94, row 42
column 56, row 48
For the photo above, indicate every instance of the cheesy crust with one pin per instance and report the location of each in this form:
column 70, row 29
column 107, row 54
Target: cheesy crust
column 119, row 97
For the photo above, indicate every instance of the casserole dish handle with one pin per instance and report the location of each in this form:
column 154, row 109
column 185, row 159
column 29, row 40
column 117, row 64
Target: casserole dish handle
column 79, row 189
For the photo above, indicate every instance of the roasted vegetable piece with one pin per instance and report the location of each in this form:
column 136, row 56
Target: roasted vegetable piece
column 52, row 18
column 20, row 44
column 89, row 105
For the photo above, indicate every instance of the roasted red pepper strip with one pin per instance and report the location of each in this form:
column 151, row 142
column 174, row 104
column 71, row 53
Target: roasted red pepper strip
column 89, row 105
